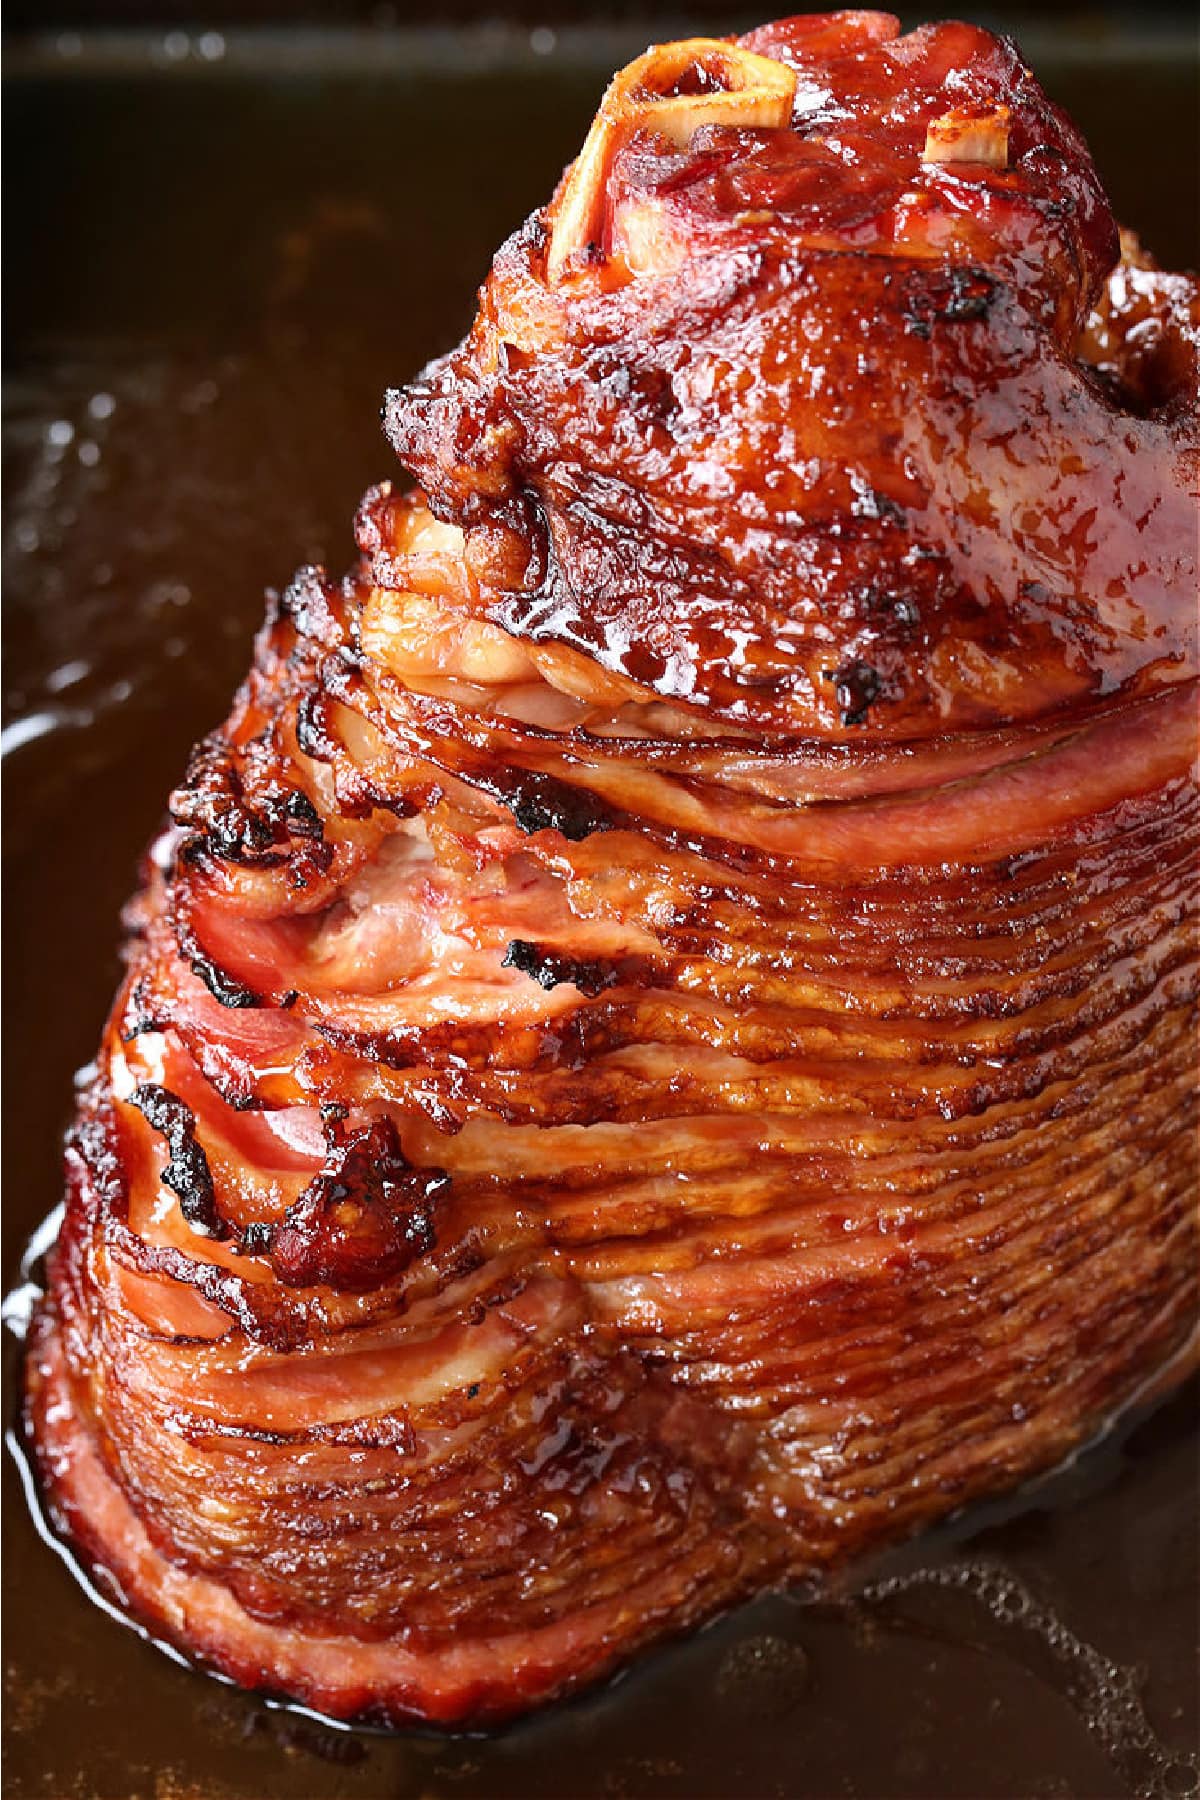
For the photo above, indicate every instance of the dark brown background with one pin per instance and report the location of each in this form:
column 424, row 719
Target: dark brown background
column 1075, row 15
column 224, row 240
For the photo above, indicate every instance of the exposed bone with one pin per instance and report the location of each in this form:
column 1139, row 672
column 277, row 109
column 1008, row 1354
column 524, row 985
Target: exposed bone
column 969, row 138
column 752, row 91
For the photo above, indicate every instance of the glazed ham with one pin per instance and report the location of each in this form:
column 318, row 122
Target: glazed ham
column 657, row 1050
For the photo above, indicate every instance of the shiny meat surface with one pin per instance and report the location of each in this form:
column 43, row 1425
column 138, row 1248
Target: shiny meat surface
column 802, row 439
column 605, row 1115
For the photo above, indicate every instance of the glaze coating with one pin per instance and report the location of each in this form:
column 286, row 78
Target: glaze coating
column 602, row 1116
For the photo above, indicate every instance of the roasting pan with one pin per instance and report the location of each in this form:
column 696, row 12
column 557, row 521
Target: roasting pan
column 222, row 246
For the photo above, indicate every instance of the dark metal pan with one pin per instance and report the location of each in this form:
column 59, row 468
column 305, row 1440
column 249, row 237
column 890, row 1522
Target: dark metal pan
column 222, row 247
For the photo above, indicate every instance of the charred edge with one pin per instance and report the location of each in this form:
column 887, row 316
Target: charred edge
column 262, row 1312
column 187, row 1173
column 139, row 1015
column 541, row 802
column 213, row 802
column 549, row 970
column 282, row 812
column 312, row 729
column 224, row 988
column 947, row 296
column 362, row 1220
column 300, row 815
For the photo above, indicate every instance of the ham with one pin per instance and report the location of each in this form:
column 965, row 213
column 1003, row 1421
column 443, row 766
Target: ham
column 656, row 1056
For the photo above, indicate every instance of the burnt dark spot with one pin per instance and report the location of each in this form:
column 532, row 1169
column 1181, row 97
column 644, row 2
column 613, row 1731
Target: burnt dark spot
column 312, row 729
column 187, row 1173
column 139, row 1015
column 210, row 800
column 224, row 988
column 473, row 1390
column 256, row 1238
column 648, row 389
column 857, row 686
column 363, row 1219
column 541, row 802
column 301, row 815
column 951, row 296
column 549, row 969
column 243, row 814
column 869, row 503
column 879, row 605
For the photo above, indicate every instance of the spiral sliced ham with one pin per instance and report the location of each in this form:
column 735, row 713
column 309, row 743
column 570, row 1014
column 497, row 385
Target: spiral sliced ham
column 657, row 1052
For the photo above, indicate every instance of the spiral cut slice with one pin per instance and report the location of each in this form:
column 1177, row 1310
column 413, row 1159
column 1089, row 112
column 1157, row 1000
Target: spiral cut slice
column 656, row 1055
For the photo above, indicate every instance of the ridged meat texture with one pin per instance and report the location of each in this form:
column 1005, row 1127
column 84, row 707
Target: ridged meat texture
column 657, row 1053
